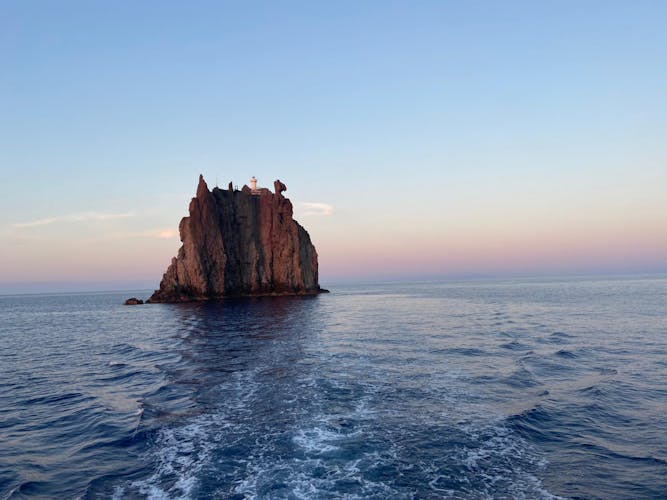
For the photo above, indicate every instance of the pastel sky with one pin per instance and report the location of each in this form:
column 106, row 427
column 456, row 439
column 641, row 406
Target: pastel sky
column 417, row 139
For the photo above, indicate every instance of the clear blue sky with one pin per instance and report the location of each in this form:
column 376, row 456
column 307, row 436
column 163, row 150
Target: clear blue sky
column 438, row 138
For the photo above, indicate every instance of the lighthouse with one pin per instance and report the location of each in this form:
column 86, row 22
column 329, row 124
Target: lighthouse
column 253, row 183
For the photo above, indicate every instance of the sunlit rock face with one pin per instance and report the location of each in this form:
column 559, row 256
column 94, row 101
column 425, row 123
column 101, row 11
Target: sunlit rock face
column 240, row 243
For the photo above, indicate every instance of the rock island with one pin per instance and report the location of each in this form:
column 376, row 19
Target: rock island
column 240, row 243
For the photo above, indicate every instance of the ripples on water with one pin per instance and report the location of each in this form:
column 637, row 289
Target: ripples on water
column 463, row 390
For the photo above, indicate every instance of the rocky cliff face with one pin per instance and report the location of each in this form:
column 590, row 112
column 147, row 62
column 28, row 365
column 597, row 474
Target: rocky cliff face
column 240, row 243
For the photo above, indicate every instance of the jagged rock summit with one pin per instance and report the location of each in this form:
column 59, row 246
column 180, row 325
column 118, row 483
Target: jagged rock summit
column 240, row 243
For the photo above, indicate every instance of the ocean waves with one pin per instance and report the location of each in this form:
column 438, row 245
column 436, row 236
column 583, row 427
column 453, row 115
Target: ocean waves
column 459, row 391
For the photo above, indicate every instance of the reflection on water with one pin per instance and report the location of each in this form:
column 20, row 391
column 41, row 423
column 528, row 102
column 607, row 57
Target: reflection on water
column 225, row 337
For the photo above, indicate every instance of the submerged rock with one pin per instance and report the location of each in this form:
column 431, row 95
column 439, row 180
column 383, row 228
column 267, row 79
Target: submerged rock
column 240, row 243
column 133, row 301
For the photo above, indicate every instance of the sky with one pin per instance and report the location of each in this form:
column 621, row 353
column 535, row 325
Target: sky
column 417, row 139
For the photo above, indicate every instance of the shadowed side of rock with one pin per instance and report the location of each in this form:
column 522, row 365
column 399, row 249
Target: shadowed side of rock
column 240, row 243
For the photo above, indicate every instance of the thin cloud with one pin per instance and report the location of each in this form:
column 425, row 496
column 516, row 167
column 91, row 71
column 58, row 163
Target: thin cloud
column 166, row 234
column 76, row 217
column 159, row 234
column 320, row 209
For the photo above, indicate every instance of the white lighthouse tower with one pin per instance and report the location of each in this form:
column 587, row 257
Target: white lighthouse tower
column 253, row 183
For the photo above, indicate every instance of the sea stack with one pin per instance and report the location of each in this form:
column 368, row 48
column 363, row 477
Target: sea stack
column 240, row 243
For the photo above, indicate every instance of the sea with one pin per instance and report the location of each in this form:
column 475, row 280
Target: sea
column 531, row 388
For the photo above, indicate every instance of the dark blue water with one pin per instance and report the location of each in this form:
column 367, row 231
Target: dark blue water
column 520, row 389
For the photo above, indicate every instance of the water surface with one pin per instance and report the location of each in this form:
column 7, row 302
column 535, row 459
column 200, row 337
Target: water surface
column 523, row 389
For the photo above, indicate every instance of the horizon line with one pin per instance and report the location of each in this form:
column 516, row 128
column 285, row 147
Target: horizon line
column 90, row 286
